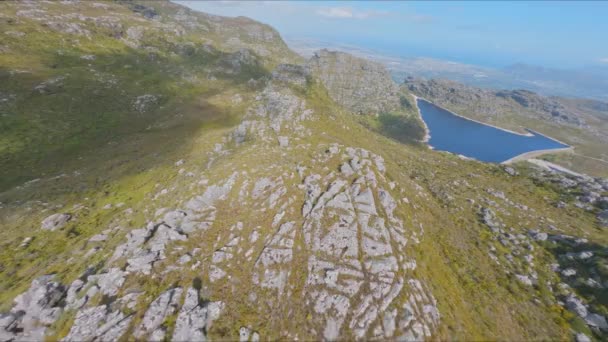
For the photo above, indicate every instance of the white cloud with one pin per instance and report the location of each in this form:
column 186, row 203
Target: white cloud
column 603, row 60
column 348, row 13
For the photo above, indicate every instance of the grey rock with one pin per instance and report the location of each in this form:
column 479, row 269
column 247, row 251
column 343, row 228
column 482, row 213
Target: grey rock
column 244, row 333
column 580, row 337
column 34, row 310
column 292, row 74
column 511, row 171
column 538, row 236
column 233, row 63
column 283, row 141
column 194, row 318
column 575, row 305
column 184, row 259
column 98, row 323
column 143, row 262
column 72, row 299
column 26, row 242
column 110, row 282
column 524, row 279
column 56, row 221
column 144, row 103
column 585, row 255
column 598, row 321
column 162, row 307
column 602, row 217
column 360, row 85
column 489, row 218
column 98, row 238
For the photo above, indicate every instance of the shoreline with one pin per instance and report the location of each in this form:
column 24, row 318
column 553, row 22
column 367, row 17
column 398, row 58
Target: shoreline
column 536, row 153
column 427, row 131
column 555, row 167
column 519, row 157
column 548, row 137
column 476, row 121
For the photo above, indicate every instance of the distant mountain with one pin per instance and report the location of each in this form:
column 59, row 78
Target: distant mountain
column 589, row 82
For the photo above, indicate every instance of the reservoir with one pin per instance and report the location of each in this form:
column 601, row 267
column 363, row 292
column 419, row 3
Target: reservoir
column 452, row 133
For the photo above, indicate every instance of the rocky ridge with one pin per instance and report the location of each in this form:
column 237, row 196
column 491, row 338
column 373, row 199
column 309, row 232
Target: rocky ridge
column 352, row 285
column 297, row 222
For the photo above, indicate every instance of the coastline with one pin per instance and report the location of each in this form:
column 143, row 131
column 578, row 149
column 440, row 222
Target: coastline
column 537, row 153
column 476, row 121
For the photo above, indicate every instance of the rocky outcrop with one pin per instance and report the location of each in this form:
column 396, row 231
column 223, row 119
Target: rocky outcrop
column 162, row 307
column 33, row 311
column 145, row 102
column 360, row 85
column 353, row 231
column 55, row 221
column 298, row 75
column 195, row 317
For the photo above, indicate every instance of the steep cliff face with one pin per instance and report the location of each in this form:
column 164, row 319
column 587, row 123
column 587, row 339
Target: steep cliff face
column 360, row 85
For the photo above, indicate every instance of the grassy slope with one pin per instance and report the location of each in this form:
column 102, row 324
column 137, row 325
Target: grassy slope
column 477, row 300
column 93, row 104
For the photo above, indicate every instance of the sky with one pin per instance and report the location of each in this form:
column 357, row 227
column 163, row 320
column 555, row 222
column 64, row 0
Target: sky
column 550, row 34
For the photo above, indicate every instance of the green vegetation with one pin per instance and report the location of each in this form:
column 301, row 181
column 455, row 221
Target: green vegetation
column 112, row 165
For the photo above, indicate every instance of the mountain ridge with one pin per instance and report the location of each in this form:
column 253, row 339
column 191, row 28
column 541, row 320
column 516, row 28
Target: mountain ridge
column 248, row 201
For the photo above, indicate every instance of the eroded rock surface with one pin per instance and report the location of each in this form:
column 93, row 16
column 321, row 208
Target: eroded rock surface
column 360, row 85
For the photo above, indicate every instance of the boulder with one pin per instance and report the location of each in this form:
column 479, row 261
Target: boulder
column 597, row 321
column 511, row 171
column 56, row 221
column 575, row 305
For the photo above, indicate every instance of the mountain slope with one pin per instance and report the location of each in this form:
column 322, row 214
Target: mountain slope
column 91, row 73
column 286, row 216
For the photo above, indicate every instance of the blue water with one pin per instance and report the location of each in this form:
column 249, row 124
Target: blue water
column 454, row 134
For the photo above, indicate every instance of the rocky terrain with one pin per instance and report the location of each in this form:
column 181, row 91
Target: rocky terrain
column 216, row 192
column 359, row 85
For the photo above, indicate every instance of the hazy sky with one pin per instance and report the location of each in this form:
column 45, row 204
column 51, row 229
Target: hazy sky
column 555, row 34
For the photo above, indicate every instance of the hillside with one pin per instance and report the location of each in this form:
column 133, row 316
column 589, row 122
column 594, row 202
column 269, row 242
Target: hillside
column 577, row 122
column 91, row 73
column 187, row 189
